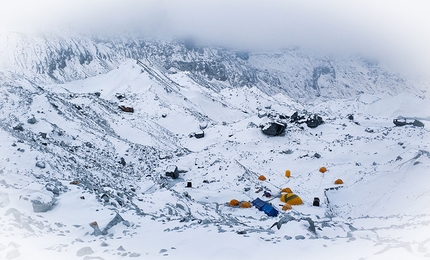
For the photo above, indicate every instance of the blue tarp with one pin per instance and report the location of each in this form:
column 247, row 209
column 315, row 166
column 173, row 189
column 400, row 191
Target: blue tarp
column 265, row 207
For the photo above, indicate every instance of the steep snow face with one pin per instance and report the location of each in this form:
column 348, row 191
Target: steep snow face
column 64, row 57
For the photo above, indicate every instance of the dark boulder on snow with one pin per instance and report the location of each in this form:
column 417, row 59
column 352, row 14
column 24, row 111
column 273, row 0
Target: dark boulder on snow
column 313, row 121
column 273, row 128
column 122, row 161
column 408, row 121
column 172, row 171
column 18, row 128
column 199, row 134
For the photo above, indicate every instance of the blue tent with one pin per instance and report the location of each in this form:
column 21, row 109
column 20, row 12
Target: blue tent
column 266, row 207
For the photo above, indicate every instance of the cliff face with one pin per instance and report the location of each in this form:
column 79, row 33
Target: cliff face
column 49, row 58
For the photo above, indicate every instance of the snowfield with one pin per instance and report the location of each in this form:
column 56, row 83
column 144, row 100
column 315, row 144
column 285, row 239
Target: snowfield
column 81, row 179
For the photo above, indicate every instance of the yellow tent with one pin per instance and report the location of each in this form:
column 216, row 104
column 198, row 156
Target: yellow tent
column 288, row 173
column 286, row 190
column 291, row 199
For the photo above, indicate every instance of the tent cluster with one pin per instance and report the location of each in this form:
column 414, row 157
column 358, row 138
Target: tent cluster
column 236, row 203
column 289, row 198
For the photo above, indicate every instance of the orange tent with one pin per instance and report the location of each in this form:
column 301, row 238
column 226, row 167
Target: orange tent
column 288, row 173
column 262, row 178
column 323, row 169
column 287, row 207
column 234, row 203
column 338, row 181
column 245, row 204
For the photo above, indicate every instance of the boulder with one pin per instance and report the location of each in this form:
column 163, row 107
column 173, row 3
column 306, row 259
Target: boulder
column 273, row 128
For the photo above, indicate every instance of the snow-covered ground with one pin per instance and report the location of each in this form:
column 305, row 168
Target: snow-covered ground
column 382, row 211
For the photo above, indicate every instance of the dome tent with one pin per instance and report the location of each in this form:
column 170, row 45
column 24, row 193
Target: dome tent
column 288, row 173
column 338, row 181
column 286, row 190
column 262, row 178
column 245, row 204
column 234, row 203
column 323, row 169
column 291, row 199
column 287, row 207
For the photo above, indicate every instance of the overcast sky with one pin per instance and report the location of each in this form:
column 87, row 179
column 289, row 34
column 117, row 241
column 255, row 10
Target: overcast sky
column 394, row 32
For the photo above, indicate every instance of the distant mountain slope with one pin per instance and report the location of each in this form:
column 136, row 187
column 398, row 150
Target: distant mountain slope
column 59, row 58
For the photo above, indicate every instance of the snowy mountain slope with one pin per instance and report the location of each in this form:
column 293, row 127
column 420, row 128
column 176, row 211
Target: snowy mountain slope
column 64, row 57
column 67, row 148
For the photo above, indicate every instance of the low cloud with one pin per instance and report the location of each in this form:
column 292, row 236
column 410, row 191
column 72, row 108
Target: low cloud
column 392, row 31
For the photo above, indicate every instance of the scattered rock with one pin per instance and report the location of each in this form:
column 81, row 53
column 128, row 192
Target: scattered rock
column 41, row 164
column 4, row 199
column 32, row 120
column 18, row 128
column 199, row 134
column 117, row 219
column 95, row 226
column 84, row 251
column 14, row 253
column 172, row 171
column 203, row 125
column 42, row 205
column 122, row 162
column 273, row 128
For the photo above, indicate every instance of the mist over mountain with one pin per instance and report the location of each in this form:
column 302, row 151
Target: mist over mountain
column 156, row 129
column 60, row 58
column 392, row 32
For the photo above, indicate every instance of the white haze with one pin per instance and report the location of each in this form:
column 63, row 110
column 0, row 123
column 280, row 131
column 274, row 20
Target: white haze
column 393, row 32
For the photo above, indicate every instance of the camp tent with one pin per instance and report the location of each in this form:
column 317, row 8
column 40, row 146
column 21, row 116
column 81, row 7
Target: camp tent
column 291, row 199
column 265, row 207
column 288, row 173
column 338, row 181
column 287, row 207
column 323, row 169
column 262, row 178
column 234, row 203
column 245, row 204
column 286, row 190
